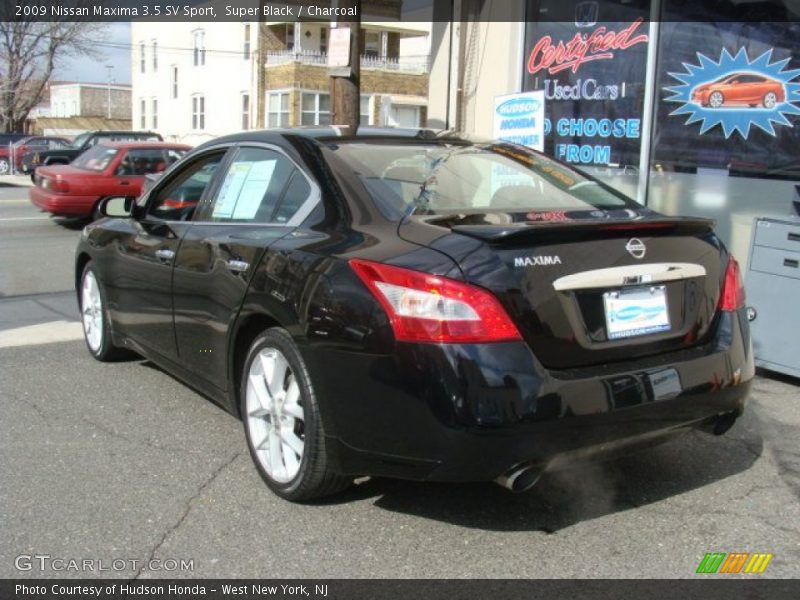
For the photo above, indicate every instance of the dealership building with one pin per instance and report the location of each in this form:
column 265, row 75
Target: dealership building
column 689, row 107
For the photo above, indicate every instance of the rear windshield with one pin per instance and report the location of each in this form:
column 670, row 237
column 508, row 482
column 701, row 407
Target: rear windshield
column 447, row 178
column 96, row 158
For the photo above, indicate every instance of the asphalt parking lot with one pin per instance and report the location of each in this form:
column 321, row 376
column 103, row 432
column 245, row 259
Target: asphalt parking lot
column 121, row 461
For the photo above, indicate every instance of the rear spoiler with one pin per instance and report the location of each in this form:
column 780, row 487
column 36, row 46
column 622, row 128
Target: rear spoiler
column 527, row 230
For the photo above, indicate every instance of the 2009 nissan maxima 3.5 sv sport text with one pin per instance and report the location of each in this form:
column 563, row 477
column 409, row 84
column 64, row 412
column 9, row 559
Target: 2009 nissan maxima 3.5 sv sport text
column 417, row 307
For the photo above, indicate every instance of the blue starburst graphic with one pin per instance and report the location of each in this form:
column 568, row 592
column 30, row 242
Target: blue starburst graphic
column 739, row 118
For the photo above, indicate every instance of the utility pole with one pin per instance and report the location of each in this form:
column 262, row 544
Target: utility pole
column 346, row 80
column 108, row 89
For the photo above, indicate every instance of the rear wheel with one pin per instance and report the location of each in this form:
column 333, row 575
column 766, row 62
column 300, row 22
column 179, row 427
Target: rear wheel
column 94, row 317
column 5, row 166
column 282, row 422
column 770, row 100
column 716, row 99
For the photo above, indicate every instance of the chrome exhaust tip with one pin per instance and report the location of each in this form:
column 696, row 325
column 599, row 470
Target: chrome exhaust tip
column 520, row 479
column 720, row 424
column 723, row 423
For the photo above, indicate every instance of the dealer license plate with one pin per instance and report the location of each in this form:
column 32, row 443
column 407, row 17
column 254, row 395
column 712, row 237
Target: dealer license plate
column 636, row 311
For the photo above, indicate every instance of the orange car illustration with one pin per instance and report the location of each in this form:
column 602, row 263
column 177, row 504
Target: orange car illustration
column 740, row 89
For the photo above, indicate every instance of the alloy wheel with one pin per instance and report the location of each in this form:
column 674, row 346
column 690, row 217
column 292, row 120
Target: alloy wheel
column 716, row 100
column 4, row 166
column 275, row 417
column 770, row 100
column 92, row 312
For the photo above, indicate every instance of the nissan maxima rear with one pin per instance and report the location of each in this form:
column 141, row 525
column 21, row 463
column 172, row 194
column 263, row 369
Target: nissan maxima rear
column 427, row 309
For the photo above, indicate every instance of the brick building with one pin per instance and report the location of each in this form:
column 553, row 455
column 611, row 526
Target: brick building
column 195, row 81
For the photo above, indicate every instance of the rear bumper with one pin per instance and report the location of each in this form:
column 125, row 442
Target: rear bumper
column 62, row 205
column 472, row 412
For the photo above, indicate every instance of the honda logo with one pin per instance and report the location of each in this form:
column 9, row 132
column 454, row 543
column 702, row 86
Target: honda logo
column 636, row 248
column 586, row 14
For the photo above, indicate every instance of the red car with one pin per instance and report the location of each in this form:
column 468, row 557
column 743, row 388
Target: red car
column 27, row 144
column 740, row 89
column 110, row 169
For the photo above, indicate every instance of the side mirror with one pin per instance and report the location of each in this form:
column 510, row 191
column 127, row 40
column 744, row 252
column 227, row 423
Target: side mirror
column 118, row 207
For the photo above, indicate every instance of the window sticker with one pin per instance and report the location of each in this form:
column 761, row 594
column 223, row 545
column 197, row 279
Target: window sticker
column 254, row 189
column 736, row 93
column 243, row 190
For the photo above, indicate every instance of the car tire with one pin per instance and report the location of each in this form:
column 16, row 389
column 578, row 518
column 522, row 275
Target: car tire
column 282, row 422
column 716, row 100
column 770, row 100
column 5, row 167
column 95, row 319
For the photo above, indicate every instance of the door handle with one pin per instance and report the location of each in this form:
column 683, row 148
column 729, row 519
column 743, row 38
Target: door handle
column 165, row 254
column 124, row 182
column 238, row 266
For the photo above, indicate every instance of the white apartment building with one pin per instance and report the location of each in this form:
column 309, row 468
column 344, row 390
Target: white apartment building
column 192, row 81
column 195, row 81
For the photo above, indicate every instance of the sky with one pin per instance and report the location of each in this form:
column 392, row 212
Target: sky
column 115, row 50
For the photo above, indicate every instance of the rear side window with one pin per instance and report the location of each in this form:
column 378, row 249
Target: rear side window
column 96, row 158
column 255, row 186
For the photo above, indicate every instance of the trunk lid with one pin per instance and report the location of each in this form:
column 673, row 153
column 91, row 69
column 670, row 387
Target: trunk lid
column 592, row 286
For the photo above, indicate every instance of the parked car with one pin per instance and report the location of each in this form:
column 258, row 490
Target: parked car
column 16, row 150
column 63, row 156
column 107, row 169
column 740, row 89
column 382, row 305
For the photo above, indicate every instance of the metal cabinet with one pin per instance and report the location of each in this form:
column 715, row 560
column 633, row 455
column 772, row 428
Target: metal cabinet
column 773, row 290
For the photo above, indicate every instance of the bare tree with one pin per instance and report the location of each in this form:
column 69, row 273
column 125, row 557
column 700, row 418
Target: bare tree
column 29, row 53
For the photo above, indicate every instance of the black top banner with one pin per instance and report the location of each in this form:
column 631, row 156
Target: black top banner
column 579, row 12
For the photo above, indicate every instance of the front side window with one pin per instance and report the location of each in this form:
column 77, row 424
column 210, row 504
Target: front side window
column 177, row 199
column 254, row 189
column 442, row 179
column 96, row 159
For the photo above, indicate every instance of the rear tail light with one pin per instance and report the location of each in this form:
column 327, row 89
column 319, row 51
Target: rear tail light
column 428, row 308
column 732, row 297
column 56, row 185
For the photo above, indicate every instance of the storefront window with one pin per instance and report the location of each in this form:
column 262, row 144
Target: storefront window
column 726, row 133
column 590, row 59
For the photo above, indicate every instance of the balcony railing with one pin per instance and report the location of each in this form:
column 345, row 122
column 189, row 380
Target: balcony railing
column 410, row 64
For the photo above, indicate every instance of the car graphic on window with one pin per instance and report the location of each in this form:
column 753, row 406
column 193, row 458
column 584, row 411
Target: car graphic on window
column 740, row 89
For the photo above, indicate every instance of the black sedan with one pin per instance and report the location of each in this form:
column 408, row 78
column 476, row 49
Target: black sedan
column 417, row 307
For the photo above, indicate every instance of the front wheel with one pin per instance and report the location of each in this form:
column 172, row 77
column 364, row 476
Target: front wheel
column 5, row 167
column 94, row 317
column 282, row 422
column 716, row 99
column 770, row 100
